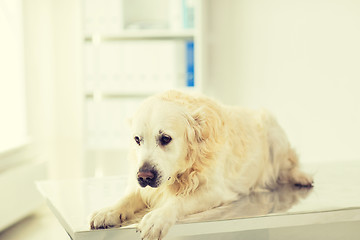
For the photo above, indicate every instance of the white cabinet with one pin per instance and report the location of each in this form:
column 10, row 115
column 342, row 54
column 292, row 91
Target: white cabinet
column 133, row 49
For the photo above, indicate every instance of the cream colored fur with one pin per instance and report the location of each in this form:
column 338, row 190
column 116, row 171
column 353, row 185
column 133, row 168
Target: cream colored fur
column 216, row 153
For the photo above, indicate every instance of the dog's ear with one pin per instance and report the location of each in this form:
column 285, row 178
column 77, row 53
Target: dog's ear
column 193, row 131
column 206, row 124
column 204, row 136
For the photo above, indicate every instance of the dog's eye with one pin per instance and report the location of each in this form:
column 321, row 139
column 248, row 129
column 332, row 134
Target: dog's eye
column 165, row 140
column 137, row 140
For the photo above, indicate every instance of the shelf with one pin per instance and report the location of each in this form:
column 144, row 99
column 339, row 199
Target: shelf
column 186, row 34
column 118, row 94
column 129, row 93
column 132, row 50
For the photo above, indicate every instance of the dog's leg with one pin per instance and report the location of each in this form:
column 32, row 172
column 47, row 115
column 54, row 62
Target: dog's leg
column 292, row 173
column 156, row 224
column 299, row 178
column 283, row 157
column 115, row 215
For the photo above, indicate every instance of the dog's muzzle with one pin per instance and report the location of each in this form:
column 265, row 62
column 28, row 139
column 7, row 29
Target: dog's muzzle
column 148, row 176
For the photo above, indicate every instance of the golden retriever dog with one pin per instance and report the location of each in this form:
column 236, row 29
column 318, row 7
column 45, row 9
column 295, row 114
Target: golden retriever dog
column 190, row 154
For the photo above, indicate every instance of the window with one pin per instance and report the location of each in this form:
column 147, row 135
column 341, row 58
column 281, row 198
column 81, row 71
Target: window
column 13, row 130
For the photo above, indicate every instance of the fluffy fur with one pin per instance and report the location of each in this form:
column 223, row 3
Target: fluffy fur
column 200, row 154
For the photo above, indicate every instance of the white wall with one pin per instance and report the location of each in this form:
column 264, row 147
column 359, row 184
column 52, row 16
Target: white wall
column 13, row 125
column 67, row 35
column 53, row 76
column 300, row 59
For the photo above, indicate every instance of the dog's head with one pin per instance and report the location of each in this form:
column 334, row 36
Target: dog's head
column 173, row 137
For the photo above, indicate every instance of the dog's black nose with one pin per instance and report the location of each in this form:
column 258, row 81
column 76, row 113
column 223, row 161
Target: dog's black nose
column 147, row 175
column 147, row 178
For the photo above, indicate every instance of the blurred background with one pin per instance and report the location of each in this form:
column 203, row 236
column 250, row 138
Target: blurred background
column 73, row 71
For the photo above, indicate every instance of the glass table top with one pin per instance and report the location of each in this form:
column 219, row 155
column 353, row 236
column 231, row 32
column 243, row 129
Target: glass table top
column 334, row 197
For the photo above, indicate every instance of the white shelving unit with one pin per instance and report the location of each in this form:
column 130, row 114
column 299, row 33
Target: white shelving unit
column 133, row 49
column 146, row 34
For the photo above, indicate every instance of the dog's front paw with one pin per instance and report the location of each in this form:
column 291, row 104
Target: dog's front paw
column 156, row 224
column 106, row 218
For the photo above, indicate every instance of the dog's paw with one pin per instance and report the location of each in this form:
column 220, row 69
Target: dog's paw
column 156, row 224
column 301, row 179
column 106, row 218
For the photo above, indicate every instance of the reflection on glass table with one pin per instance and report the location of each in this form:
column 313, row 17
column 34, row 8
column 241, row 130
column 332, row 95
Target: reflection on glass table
column 256, row 204
column 334, row 199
